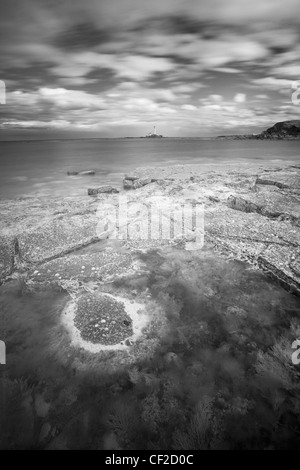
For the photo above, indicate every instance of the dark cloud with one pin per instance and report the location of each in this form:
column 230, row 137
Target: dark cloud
column 188, row 25
column 278, row 49
column 82, row 36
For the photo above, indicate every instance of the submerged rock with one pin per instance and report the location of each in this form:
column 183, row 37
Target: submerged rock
column 73, row 269
column 101, row 319
column 81, row 173
column 45, row 432
column 173, row 359
column 131, row 177
column 102, row 189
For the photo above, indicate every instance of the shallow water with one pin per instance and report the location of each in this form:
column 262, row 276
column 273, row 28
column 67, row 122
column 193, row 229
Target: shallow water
column 220, row 375
column 40, row 167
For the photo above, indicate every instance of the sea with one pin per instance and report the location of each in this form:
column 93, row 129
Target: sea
column 39, row 168
column 215, row 369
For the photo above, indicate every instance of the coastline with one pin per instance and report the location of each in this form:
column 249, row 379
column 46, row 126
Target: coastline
column 250, row 211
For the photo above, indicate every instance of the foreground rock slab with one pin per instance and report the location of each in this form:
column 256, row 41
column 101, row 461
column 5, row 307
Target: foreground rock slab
column 6, row 256
column 57, row 236
column 97, row 267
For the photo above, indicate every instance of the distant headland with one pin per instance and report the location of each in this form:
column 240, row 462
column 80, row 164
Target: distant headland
column 289, row 130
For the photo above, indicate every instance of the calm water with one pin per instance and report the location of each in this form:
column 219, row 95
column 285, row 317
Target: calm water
column 40, row 167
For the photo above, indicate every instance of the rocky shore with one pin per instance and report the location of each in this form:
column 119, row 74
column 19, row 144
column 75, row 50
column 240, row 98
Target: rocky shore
column 95, row 323
column 252, row 213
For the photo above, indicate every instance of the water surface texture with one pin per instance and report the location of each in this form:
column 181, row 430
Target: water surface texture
column 40, row 167
column 219, row 376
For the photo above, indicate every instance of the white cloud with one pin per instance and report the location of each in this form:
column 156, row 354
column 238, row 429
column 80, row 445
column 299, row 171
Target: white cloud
column 272, row 82
column 59, row 98
column 189, row 107
column 63, row 98
column 262, row 97
column 240, row 98
column 76, row 81
column 215, row 53
column 186, row 88
column 136, row 67
column 289, row 70
column 215, row 98
column 226, row 70
column 141, row 68
column 71, row 71
column 56, row 124
column 280, row 85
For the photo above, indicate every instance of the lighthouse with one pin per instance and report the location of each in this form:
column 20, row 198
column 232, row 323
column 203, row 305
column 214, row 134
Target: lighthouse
column 154, row 133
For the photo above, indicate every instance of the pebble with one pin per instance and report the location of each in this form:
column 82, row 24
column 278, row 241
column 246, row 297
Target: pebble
column 103, row 321
column 56, row 275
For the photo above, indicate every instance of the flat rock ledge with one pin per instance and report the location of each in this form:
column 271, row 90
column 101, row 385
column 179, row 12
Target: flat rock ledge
column 251, row 212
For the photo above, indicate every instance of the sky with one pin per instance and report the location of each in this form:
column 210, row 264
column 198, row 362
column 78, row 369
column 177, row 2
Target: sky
column 115, row 68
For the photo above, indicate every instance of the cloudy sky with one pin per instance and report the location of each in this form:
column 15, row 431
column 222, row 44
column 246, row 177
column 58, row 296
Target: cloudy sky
column 104, row 68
